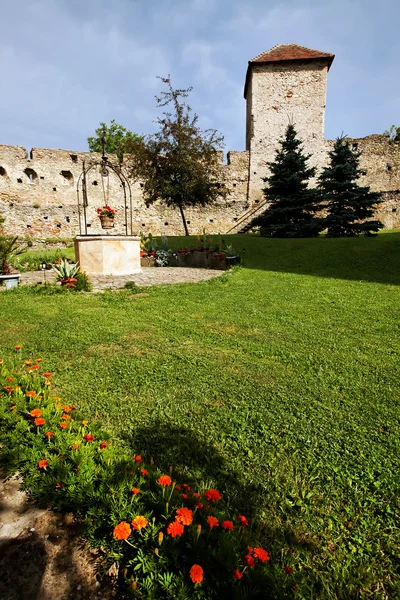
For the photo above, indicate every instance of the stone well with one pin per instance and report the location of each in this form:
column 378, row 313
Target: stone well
column 108, row 255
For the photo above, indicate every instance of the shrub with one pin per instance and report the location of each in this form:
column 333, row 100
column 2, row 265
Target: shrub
column 167, row 537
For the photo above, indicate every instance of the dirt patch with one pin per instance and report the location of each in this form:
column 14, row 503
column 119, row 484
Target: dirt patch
column 42, row 556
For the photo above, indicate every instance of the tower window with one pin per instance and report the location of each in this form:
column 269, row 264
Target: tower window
column 68, row 177
column 354, row 147
column 3, row 172
column 31, row 175
column 74, row 158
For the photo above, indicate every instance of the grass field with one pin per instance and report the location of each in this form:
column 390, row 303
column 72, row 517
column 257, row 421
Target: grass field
column 277, row 383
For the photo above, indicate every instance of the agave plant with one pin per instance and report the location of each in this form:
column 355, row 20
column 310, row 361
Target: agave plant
column 66, row 271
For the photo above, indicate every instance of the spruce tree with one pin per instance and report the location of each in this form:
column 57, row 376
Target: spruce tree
column 292, row 202
column 348, row 204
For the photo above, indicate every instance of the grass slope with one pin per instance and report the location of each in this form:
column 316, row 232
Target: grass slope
column 277, row 383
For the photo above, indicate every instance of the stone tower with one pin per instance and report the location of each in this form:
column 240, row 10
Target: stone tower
column 285, row 84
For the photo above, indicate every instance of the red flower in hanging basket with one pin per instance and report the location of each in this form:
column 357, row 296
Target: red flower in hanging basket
column 106, row 211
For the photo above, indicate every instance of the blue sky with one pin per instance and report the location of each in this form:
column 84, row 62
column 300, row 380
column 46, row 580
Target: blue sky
column 69, row 64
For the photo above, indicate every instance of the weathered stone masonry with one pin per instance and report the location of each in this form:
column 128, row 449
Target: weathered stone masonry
column 285, row 84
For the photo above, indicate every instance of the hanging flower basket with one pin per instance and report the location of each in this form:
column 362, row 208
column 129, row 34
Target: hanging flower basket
column 106, row 216
column 106, row 222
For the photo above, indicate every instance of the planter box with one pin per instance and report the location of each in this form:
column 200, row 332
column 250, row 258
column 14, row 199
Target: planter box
column 147, row 261
column 10, row 281
column 203, row 260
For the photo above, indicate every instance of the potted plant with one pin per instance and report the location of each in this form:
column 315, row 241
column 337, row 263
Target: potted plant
column 106, row 215
column 9, row 247
column 231, row 257
column 66, row 273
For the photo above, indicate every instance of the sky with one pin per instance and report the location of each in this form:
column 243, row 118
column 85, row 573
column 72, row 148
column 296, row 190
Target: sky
column 67, row 65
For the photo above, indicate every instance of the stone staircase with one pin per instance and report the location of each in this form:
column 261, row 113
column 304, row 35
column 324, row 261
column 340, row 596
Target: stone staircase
column 243, row 224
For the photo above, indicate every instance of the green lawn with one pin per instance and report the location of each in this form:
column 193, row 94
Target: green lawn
column 278, row 383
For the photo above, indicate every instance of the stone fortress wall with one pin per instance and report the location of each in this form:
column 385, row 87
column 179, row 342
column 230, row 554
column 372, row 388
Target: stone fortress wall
column 287, row 83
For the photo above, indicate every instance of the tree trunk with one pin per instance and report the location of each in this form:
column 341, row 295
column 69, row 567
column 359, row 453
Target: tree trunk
column 183, row 219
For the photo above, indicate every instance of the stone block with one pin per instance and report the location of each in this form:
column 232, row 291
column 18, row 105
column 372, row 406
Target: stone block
column 108, row 254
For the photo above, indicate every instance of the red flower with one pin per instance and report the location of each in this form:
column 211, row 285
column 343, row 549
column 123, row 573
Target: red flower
column 243, row 521
column 59, row 485
column 36, row 367
column 212, row 521
column 137, row 458
column 175, row 529
column 135, row 491
column 248, row 560
column 49, row 434
column 144, row 472
column 261, row 554
column 39, row 421
column 103, row 445
column 184, row 496
column 164, row 480
column 212, row 495
column 43, row 464
column 64, row 425
column 184, row 516
column 9, row 378
column 88, row 437
column 177, row 487
column 288, row 570
column 237, row 575
column 199, row 505
column 227, row 525
column 196, row 574
column 196, row 495
column 31, row 394
column 47, row 374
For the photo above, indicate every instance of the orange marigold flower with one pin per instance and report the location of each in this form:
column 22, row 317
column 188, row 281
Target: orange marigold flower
column 196, row 574
column 43, row 464
column 237, row 575
column 9, row 378
column 227, row 525
column 59, row 485
column 175, row 529
column 67, row 409
column 184, row 496
column 199, row 505
column 75, row 446
column 49, row 434
column 249, row 561
column 88, row 437
column 137, row 458
column 36, row 412
column 243, row 521
column 144, row 472
column 186, row 487
column 164, row 480
column 139, row 522
column 177, row 487
column 261, row 554
column 31, row 394
column 47, row 374
column 36, row 367
column 160, row 537
column 1, row 361
column 39, row 421
column 12, row 407
column 27, row 362
column 212, row 521
column 196, row 495
column 65, row 417
column 135, row 491
column 84, row 423
column 18, row 347
column 122, row 531
column 103, row 445
column 212, row 495
column 184, row 516
column 63, row 425
column 38, row 360
column 47, row 382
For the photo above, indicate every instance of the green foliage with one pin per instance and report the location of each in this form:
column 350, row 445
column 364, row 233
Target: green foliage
column 292, row 202
column 32, row 259
column 393, row 133
column 83, row 283
column 179, row 164
column 10, row 247
column 277, row 384
column 147, row 242
column 116, row 136
column 348, row 204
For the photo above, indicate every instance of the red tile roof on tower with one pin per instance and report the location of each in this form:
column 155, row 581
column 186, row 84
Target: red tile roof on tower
column 287, row 52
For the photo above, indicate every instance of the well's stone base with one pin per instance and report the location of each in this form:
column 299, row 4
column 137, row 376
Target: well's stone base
column 108, row 255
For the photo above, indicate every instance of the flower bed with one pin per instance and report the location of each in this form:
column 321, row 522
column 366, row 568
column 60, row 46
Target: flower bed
column 168, row 538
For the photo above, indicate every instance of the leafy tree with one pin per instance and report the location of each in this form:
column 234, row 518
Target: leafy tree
column 116, row 138
column 292, row 202
column 179, row 164
column 348, row 204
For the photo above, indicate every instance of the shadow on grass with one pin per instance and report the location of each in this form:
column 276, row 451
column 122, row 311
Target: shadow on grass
column 372, row 259
column 194, row 460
